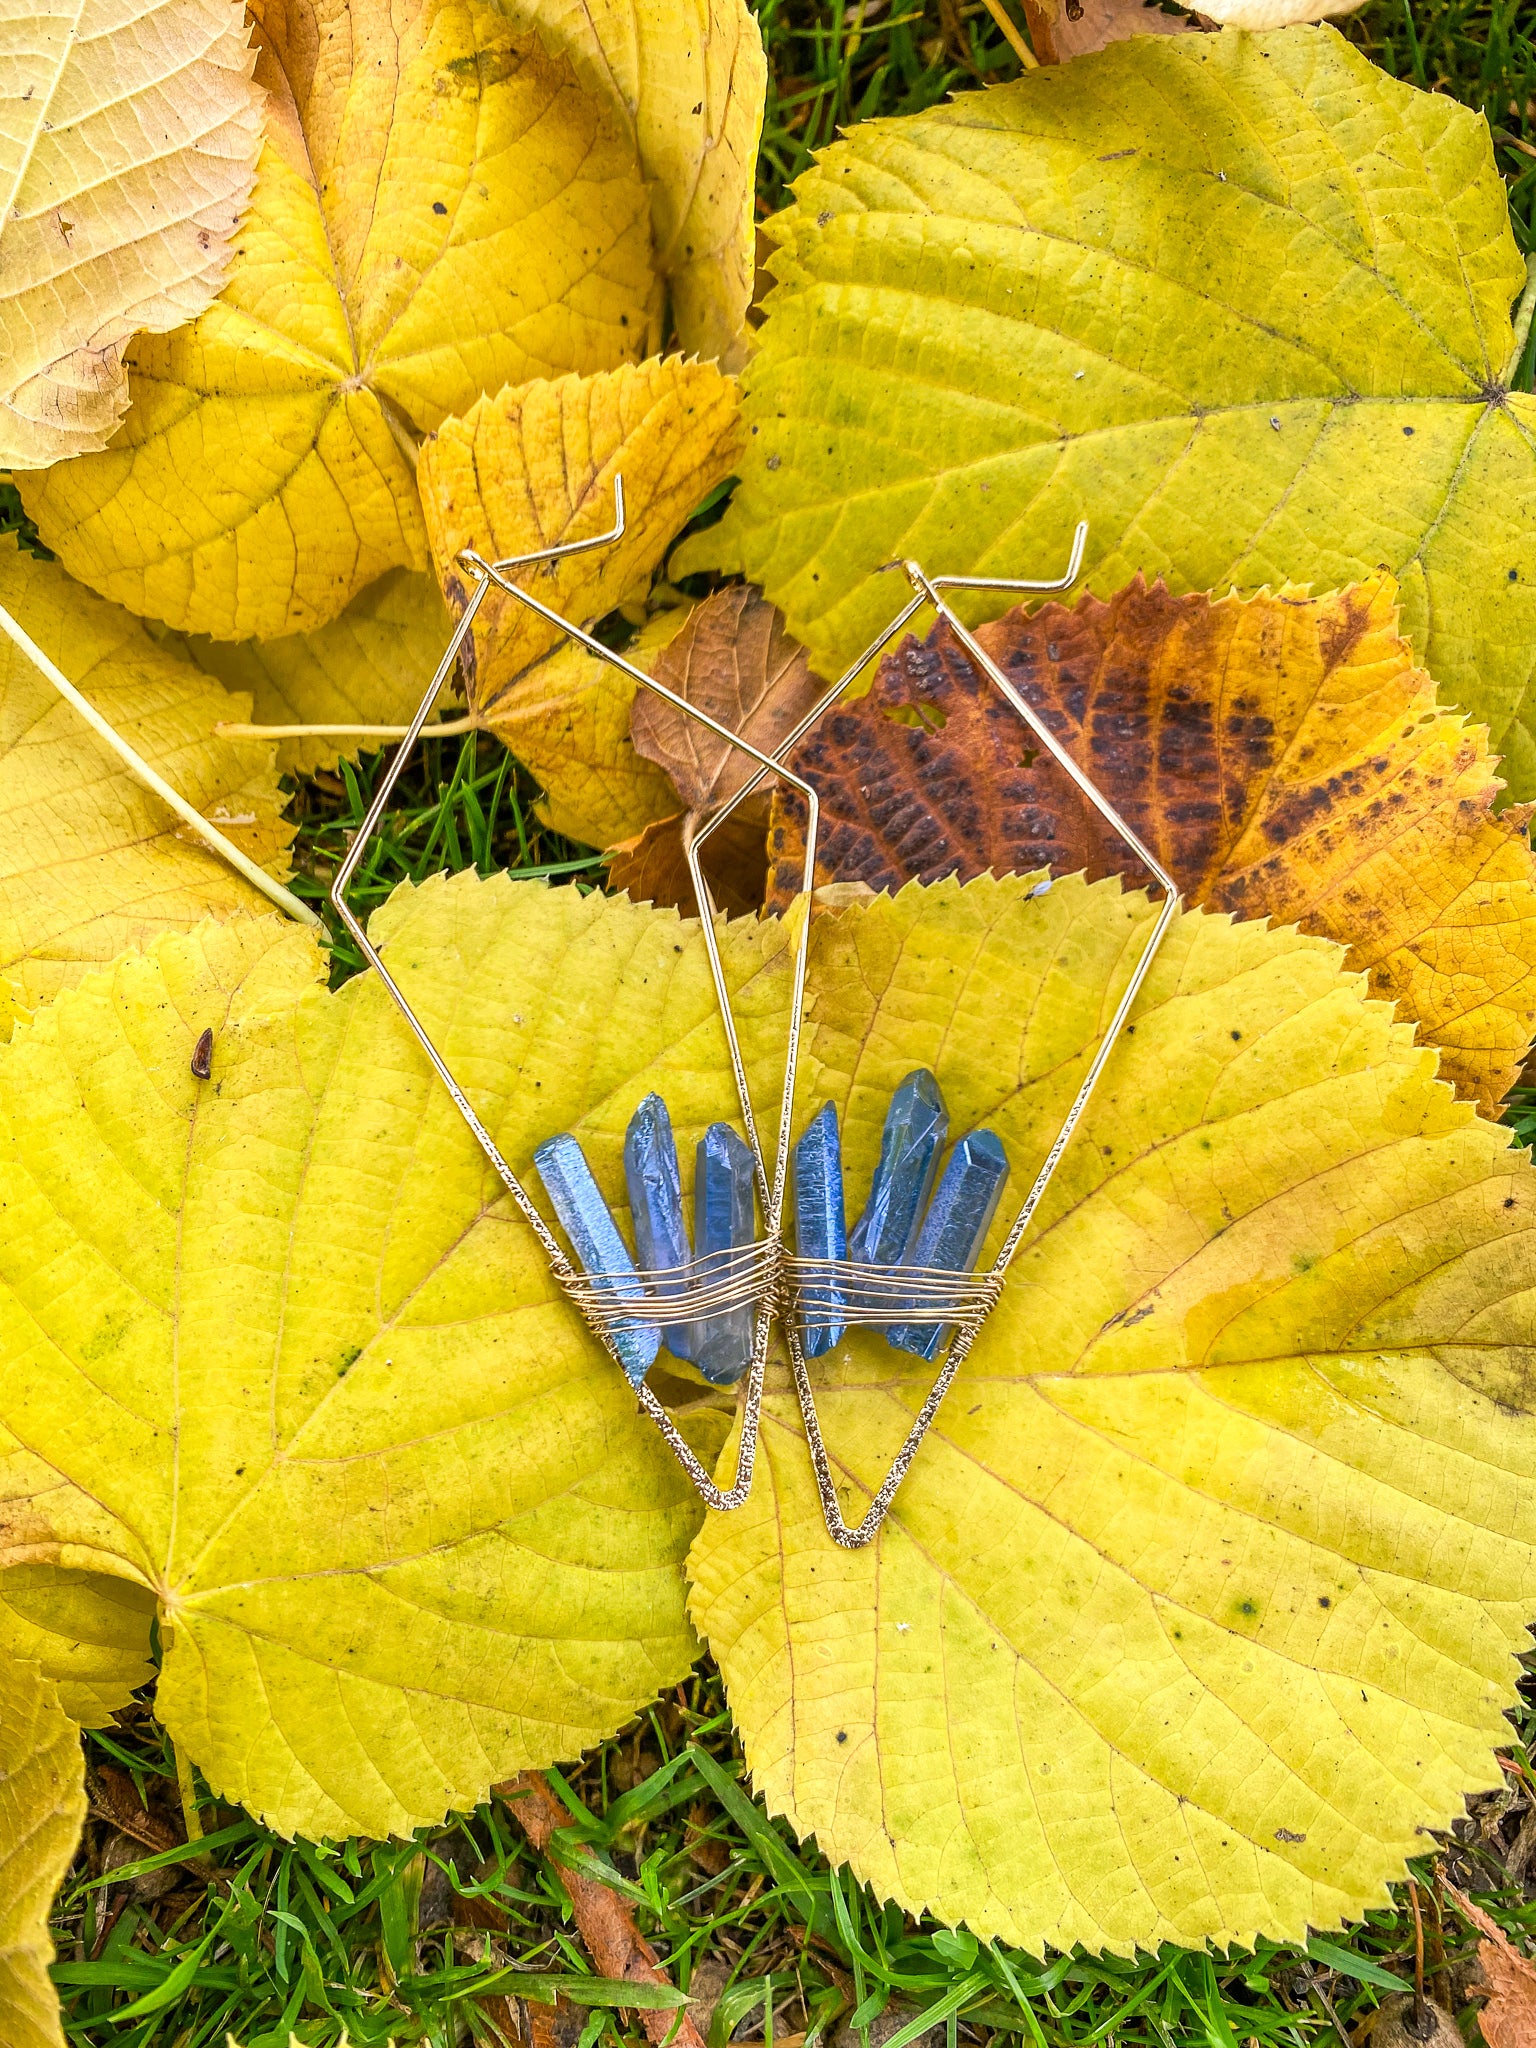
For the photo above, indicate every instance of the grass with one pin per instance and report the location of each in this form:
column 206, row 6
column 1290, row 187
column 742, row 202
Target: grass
column 244, row 1934
column 414, row 1941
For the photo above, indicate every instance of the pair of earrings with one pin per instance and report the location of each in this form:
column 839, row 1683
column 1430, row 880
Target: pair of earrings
column 908, row 1268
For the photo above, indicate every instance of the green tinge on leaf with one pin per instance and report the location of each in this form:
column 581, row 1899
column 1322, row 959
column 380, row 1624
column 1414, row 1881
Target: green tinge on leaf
column 42, row 1808
column 1242, row 302
column 277, row 1342
column 1201, row 1597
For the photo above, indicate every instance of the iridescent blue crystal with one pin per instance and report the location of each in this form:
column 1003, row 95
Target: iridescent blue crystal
column 724, row 1220
column 916, row 1125
column 588, row 1223
column 656, row 1208
column 820, row 1232
column 955, row 1227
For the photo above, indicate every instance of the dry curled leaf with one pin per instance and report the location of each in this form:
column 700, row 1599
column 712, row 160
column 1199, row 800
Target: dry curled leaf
column 534, row 466
column 1283, row 756
column 734, row 661
column 1063, row 29
column 1508, row 2020
column 129, row 151
column 653, row 868
column 440, row 210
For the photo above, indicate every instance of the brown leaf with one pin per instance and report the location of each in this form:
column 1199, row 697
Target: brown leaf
column 1281, row 755
column 733, row 660
column 1508, row 2020
column 615, row 1944
column 653, row 869
column 1062, row 29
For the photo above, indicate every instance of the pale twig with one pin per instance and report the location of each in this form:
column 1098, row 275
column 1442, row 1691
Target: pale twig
column 1020, row 48
column 210, row 835
column 228, row 729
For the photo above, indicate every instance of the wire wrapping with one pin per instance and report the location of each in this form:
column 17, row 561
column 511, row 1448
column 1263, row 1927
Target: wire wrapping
column 818, row 1293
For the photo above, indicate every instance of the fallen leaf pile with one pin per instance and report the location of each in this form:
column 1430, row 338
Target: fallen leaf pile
column 264, row 486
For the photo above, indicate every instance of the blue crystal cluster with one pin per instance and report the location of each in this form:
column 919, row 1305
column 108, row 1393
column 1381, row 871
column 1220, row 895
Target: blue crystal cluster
column 907, row 1220
column 724, row 1214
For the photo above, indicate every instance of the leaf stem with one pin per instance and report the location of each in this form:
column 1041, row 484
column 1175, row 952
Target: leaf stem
column 229, row 729
column 1020, row 48
column 211, row 836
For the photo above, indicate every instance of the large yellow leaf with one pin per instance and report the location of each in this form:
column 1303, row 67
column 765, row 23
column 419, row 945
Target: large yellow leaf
column 127, row 152
column 87, row 1633
column 440, row 211
column 1201, row 1598
column 1242, row 302
column 274, row 1348
column 367, row 667
column 534, row 467
column 42, row 1809
column 90, row 860
column 691, row 75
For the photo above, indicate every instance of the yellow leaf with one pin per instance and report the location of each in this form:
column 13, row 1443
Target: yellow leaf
column 440, row 210
column 276, row 1347
column 1242, row 303
column 567, row 721
column 127, row 153
column 367, row 667
column 42, row 1809
column 691, row 75
column 533, row 467
column 87, row 1633
column 90, row 861
column 1201, row 1599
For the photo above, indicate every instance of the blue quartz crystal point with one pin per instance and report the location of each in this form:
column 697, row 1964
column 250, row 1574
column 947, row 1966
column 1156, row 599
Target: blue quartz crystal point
column 820, row 1232
column 588, row 1223
column 955, row 1227
column 724, row 1219
column 916, row 1126
column 656, row 1207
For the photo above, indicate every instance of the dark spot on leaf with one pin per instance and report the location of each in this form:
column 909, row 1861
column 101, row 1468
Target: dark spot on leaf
column 438, row 206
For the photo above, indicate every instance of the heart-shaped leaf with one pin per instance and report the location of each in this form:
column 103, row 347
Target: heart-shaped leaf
column 439, row 210
column 1200, row 1599
column 1242, row 302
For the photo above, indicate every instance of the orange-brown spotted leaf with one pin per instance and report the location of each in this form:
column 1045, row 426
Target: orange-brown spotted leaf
column 1282, row 755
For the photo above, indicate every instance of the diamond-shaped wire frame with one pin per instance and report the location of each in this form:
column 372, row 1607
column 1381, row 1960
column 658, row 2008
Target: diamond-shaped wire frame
column 971, row 1299
column 600, row 1308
